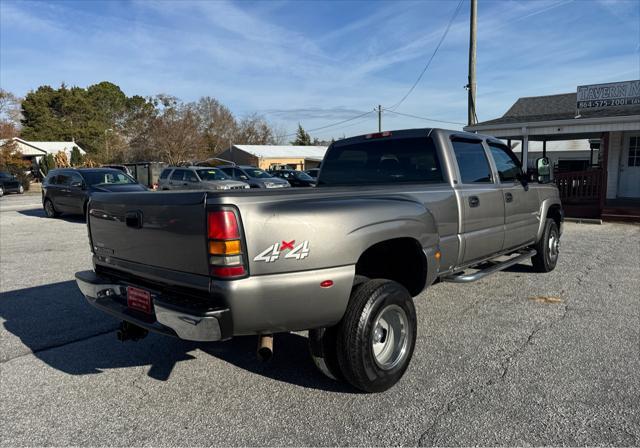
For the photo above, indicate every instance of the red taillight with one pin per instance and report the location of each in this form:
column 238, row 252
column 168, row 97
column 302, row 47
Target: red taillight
column 226, row 257
column 223, row 225
column 228, row 271
column 379, row 134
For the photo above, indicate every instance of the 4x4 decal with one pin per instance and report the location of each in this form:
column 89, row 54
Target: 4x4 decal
column 273, row 252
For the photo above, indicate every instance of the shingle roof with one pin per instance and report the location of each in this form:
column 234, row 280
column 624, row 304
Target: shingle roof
column 284, row 151
column 555, row 107
column 30, row 148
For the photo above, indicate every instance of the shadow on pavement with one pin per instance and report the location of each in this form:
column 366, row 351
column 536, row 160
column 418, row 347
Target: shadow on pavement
column 57, row 316
column 39, row 213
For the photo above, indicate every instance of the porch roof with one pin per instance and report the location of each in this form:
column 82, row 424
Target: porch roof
column 555, row 117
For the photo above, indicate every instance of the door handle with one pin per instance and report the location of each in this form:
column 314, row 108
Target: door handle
column 508, row 197
column 474, row 201
column 185, row 184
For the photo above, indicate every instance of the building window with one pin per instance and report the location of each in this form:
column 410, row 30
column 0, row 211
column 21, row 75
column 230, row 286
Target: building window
column 634, row 151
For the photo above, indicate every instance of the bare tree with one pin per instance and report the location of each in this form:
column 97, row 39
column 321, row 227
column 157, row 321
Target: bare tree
column 217, row 124
column 175, row 134
column 254, row 130
column 9, row 114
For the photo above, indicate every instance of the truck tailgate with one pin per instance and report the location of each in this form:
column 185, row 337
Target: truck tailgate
column 165, row 230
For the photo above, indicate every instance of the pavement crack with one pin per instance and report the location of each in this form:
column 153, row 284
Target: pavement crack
column 429, row 437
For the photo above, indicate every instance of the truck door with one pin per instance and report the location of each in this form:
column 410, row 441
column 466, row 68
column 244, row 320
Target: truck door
column 481, row 202
column 520, row 202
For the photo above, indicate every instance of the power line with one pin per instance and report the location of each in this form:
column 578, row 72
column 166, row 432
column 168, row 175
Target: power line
column 425, row 118
column 444, row 35
column 332, row 124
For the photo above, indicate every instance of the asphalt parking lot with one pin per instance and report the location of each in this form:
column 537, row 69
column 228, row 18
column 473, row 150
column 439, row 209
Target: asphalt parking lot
column 516, row 359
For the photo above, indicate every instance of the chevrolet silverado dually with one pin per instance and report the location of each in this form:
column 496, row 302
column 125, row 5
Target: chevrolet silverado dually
column 392, row 213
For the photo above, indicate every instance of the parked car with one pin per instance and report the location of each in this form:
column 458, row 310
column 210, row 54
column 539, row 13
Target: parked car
column 9, row 184
column 393, row 212
column 313, row 172
column 294, row 177
column 255, row 177
column 197, row 178
column 67, row 190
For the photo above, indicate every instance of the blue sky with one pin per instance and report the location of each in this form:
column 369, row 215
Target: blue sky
column 320, row 62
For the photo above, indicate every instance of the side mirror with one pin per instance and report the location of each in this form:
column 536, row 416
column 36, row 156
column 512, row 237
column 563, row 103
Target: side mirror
column 243, row 177
column 77, row 184
column 543, row 170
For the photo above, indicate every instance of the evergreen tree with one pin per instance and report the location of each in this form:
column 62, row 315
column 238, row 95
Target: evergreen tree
column 76, row 157
column 302, row 137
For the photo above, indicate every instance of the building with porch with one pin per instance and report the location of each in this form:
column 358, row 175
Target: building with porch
column 608, row 115
column 273, row 156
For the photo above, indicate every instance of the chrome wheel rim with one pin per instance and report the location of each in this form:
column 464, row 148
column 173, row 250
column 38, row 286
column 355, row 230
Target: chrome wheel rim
column 390, row 337
column 554, row 246
column 21, row 189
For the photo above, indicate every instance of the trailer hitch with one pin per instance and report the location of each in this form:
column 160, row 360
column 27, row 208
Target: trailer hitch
column 130, row 332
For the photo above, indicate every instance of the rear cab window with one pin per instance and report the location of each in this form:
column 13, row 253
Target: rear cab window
column 384, row 161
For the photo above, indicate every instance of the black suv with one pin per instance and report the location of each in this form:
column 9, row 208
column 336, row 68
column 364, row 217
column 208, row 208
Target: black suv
column 9, row 184
column 67, row 190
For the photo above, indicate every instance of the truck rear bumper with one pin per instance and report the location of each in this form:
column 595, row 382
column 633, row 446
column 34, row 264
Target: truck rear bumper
column 110, row 296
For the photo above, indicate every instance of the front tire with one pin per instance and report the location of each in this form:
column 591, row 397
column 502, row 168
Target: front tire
column 377, row 335
column 21, row 190
column 1, row 191
column 548, row 248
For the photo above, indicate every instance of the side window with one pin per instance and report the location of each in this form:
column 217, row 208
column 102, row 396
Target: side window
column 165, row 174
column 51, row 179
column 472, row 161
column 506, row 162
column 228, row 172
column 240, row 174
column 190, row 176
column 63, row 179
column 177, row 175
column 75, row 177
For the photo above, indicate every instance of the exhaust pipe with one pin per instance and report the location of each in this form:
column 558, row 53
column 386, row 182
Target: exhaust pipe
column 265, row 347
column 130, row 332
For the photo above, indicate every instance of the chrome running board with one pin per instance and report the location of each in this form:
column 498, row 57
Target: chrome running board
column 462, row 278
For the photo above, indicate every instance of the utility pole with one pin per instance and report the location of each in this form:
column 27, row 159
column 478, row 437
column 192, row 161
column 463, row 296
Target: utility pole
column 379, row 118
column 471, row 87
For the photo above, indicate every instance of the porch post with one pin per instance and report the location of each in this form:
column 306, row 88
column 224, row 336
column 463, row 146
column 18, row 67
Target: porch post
column 525, row 153
column 544, row 148
column 604, row 147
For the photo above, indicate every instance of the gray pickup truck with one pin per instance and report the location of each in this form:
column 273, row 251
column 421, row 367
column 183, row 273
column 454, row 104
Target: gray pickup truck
column 393, row 212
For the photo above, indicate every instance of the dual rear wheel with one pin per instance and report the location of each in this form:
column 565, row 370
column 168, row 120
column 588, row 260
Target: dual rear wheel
column 372, row 345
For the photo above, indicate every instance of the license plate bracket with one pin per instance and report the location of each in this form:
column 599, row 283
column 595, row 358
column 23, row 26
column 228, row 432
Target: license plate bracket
column 139, row 300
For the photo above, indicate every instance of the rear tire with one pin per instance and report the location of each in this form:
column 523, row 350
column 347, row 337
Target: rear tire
column 49, row 209
column 324, row 351
column 1, row 191
column 548, row 248
column 377, row 335
column 21, row 190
